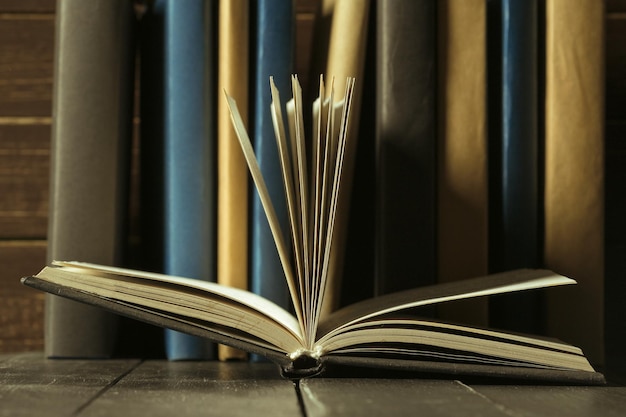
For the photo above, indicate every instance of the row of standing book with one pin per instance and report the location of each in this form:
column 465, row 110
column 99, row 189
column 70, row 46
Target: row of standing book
column 478, row 148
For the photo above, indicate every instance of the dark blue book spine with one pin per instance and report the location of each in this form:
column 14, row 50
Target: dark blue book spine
column 273, row 56
column 519, row 132
column 516, row 234
column 189, row 232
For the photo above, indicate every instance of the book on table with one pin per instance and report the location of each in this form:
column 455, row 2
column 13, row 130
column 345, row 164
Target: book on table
column 381, row 332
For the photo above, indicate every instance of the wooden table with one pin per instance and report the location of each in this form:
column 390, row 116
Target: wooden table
column 33, row 386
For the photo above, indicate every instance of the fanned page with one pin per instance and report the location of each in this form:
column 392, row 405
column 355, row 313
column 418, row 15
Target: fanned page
column 311, row 196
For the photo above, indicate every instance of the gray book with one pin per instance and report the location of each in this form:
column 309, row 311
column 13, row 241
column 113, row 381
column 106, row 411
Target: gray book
column 92, row 125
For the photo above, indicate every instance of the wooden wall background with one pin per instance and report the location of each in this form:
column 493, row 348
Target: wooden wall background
column 26, row 63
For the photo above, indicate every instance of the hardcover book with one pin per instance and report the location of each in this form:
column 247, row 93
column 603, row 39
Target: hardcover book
column 406, row 144
column 232, row 177
column 91, row 134
column 188, row 161
column 380, row 332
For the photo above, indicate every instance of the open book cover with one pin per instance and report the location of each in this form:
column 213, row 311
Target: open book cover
column 382, row 332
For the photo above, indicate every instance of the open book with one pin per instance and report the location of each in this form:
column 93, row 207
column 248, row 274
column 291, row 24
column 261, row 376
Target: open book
column 380, row 332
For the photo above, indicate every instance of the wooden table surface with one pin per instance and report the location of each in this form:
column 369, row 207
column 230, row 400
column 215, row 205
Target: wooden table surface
column 33, row 386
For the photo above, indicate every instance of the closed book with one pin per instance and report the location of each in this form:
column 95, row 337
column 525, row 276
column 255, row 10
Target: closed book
column 273, row 56
column 462, row 215
column 91, row 131
column 189, row 152
column 514, row 168
column 574, row 169
column 406, row 145
column 232, row 177
column 339, row 52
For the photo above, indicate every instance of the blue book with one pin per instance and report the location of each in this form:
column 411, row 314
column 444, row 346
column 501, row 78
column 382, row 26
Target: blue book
column 272, row 56
column 519, row 132
column 516, row 232
column 188, row 149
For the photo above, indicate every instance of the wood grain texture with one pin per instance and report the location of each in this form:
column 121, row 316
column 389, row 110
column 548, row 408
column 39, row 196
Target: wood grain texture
column 554, row 401
column 449, row 398
column 24, row 171
column 392, row 397
column 160, row 388
column 27, row 6
column 26, row 55
column 21, row 309
column 31, row 386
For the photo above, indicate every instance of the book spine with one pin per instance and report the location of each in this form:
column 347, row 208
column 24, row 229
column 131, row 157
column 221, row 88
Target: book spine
column 340, row 53
column 273, row 56
column 189, row 189
column 462, row 221
column 92, row 125
column 514, row 206
column 232, row 176
column 406, row 145
column 359, row 267
column 574, row 171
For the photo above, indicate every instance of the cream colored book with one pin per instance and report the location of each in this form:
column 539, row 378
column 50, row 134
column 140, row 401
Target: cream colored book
column 574, row 170
column 383, row 332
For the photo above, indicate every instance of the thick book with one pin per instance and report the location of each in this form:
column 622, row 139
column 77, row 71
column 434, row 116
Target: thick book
column 339, row 52
column 405, row 144
column 514, row 169
column 462, row 189
column 188, row 124
column 232, row 177
column 91, row 132
column 379, row 332
column 273, row 56
column 574, row 170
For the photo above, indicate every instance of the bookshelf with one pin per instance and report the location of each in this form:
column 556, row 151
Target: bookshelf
column 26, row 62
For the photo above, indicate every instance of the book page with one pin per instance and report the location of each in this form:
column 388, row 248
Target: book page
column 255, row 172
column 506, row 282
column 410, row 338
column 312, row 190
column 337, row 131
column 296, row 287
column 191, row 298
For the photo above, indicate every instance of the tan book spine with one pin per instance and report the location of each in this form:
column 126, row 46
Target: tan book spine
column 343, row 28
column 462, row 176
column 574, row 171
column 232, row 188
